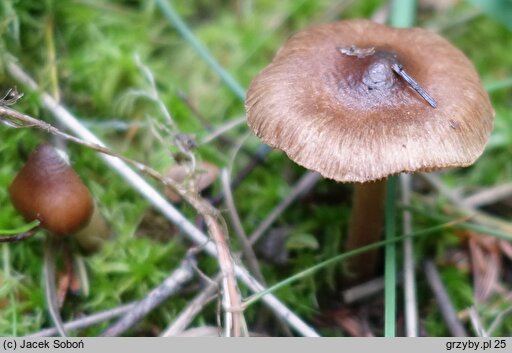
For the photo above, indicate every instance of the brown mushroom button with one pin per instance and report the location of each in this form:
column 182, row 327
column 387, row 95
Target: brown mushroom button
column 352, row 118
column 48, row 189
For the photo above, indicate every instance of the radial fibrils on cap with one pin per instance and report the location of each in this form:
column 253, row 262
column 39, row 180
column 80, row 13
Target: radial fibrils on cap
column 353, row 119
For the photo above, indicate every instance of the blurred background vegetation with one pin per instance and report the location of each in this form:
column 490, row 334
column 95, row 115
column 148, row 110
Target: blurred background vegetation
column 82, row 52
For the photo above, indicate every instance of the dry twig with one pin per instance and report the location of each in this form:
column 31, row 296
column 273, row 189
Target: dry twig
column 154, row 298
column 219, row 132
column 477, row 216
column 51, row 245
column 305, row 183
column 411, row 305
column 489, row 195
column 498, row 320
column 193, row 308
column 443, row 300
column 234, row 321
column 366, row 289
column 87, row 321
column 476, row 322
column 16, row 237
column 223, row 129
column 247, row 250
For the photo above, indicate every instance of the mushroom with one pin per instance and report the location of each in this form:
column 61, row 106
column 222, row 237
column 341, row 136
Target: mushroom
column 49, row 190
column 359, row 101
column 205, row 175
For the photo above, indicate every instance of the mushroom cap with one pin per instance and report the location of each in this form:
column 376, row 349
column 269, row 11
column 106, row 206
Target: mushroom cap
column 353, row 119
column 48, row 189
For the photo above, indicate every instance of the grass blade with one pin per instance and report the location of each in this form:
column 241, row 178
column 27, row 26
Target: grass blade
column 498, row 85
column 390, row 260
column 23, row 229
column 187, row 34
column 308, row 272
column 403, row 13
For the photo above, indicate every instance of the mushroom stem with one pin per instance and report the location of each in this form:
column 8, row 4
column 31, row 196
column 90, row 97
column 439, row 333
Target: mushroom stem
column 365, row 227
column 49, row 267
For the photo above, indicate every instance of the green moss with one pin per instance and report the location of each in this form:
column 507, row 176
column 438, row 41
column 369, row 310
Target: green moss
column 95, row 44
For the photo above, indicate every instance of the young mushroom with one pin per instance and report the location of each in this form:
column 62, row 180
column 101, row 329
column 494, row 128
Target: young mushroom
column 359, row 101
column 49, row 190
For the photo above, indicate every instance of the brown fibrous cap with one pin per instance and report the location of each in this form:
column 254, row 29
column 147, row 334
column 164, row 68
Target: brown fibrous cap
column 49, row 190
column 353, row 119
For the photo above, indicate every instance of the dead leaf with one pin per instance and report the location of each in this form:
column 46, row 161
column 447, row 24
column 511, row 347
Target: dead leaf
column 486, row 264
column 353, row 322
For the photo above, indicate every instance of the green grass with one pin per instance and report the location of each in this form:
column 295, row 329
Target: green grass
column 95, row 43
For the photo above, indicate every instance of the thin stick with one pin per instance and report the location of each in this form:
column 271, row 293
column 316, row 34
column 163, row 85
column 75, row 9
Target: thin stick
column 390, row 260
column 195, row 111
column 399, row 69
column 247, row 249
column 489, row 195
column 443, row 300
column 411, row 305
column 201, row 331
column 208, row 331
column 153, row 92
column 8, row 276
column 155, row 297
column 206, row 124
column 87, row 321
column 477, row 216
column 193, row 308
column 230, row 292
column 402, row 14
column 305, row 183
column 16, row 237
column 223, row 129
column 235, row 150
column 50, row 290
column 256, row 159
column 366, row 290
column 154, row 197
column 476, row 322
column 244, row 240
column 498, row 320
column 443, row 189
